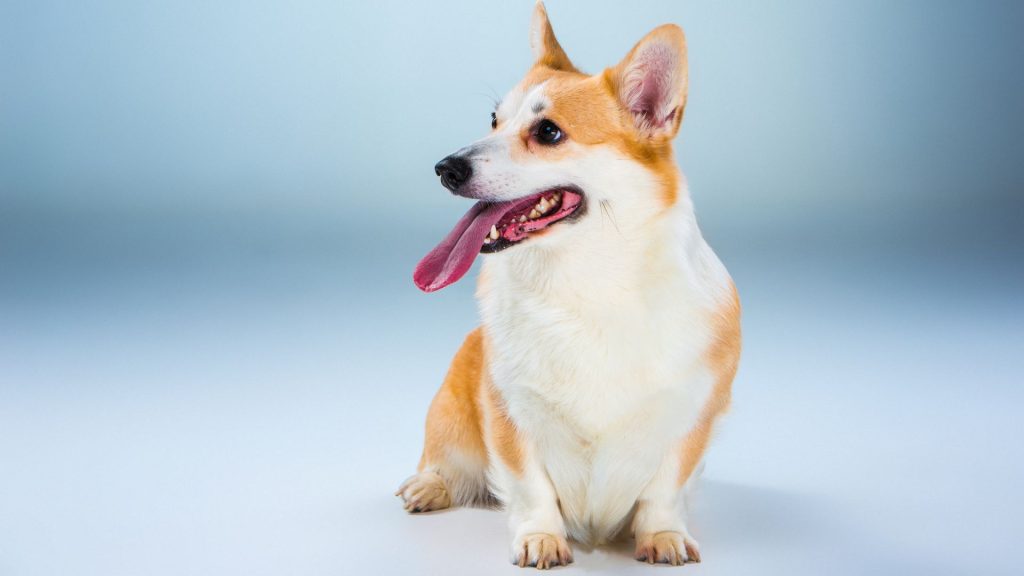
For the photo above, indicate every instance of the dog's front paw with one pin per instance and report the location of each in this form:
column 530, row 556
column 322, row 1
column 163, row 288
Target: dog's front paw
column 540, row 550
column 424, row 492
column 666, row 548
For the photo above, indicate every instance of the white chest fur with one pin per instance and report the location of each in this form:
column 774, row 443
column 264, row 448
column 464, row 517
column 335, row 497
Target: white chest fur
column 599, row 353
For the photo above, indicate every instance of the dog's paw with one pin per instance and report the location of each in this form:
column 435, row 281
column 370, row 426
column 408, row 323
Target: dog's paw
column 541, row 551
column 424, row 492
column 667, row 548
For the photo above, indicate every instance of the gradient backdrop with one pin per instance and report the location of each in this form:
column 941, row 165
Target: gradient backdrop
column 213, row 359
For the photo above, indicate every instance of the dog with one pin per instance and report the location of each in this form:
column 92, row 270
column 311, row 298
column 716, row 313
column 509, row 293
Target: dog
column 610, row 331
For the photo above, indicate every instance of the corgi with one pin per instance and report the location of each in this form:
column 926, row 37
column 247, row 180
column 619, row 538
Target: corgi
column 610, row 331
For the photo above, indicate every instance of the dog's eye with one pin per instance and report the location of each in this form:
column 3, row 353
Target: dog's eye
column 494, row 120
column 548, row 132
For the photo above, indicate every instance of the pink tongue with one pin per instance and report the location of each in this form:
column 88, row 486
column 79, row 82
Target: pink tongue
column 452, row 258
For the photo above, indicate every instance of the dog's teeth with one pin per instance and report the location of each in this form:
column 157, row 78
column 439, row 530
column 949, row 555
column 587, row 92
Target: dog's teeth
column 494, row 232
column 522, row 218
column 534, row 214
column 487, row 240
column 542, row 206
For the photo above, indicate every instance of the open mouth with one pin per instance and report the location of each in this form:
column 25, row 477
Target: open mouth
column 491, row 227
column 529, row 216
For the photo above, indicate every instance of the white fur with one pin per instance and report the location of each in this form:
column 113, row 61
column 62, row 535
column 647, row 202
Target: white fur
column 496, row 176
column 597, row 335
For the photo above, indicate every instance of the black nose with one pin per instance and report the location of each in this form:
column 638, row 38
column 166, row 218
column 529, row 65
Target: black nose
column 454, row 171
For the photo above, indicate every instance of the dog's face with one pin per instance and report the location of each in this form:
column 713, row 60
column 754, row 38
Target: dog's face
column 565, row 151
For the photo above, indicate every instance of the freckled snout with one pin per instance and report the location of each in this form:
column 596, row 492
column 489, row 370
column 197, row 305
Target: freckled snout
column 454, row 171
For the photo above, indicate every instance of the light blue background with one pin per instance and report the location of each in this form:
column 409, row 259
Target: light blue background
column 213, row 359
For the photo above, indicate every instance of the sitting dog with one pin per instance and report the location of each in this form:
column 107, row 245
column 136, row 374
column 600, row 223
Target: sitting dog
column 610, row 331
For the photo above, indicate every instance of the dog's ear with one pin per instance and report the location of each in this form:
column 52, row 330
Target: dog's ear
column 546, row 49
column 651, row 81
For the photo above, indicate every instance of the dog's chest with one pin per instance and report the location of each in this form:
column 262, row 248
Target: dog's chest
column 593, row 368
column 598, row 391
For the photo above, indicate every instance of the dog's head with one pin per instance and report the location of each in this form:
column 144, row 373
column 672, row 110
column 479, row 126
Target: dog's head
column 563, row 147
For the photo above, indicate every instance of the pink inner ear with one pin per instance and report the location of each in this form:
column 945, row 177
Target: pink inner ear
column 649, row 85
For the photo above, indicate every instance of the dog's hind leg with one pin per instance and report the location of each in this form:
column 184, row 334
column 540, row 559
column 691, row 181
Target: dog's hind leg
column 453, row 468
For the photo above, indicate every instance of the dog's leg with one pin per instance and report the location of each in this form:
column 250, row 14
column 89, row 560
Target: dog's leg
column 659, row 528
column 453, row 468
column 539, row 536
column 535, row 520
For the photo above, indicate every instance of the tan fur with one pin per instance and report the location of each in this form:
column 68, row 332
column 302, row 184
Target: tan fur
column 587, row 109
column 502, row 434
column 453, row 421
column 723, row 357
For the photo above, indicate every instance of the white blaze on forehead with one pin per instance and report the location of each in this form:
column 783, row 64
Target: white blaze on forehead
column 498, row 174
column 521, row 108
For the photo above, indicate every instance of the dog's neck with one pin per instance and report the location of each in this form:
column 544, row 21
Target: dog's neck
column 604, row 263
